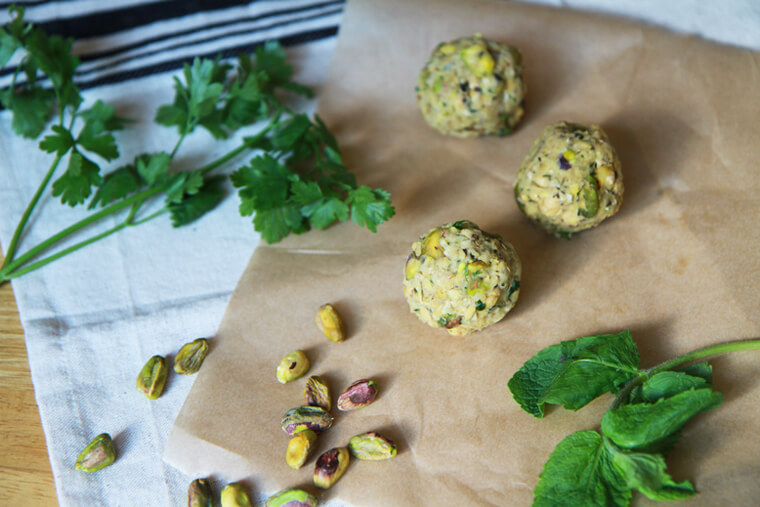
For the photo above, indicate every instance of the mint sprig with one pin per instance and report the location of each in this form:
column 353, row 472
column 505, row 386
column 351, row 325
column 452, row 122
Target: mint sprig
column 603, row 468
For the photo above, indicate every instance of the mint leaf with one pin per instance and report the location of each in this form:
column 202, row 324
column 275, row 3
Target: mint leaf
column 580, row 472
column 643, row 424
column 575, row 372
column 669, row 383
column 116, row 185
column 671, row 490
column 75, row 185
column 370, row 208
column 701, row 370
column 196, row 204
column 60, row 142
column 646, row 473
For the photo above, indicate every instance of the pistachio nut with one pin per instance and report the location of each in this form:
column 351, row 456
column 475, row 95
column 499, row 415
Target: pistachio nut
column 292, row 367
column 190, row 357
column 299, row 447
column 98, row 454
column 291, row 498
column 330, row 467
column 317, row 393
column 371, row 446
column 199, row 494
column 234, row 495
column 359, row 394
column 330, row 323
column 306, row 418
column 152, row 377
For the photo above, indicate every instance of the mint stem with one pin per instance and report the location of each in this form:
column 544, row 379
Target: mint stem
column 711, row 350
column 696, row 355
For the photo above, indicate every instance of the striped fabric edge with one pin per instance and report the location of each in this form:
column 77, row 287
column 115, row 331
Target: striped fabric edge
column 158, row 47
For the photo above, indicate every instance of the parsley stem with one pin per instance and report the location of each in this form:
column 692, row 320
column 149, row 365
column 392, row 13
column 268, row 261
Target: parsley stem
column 52, row 240
column 66, row 251
column 81, row 244
column 247, row 144
column 177, row 145
column 27, row 213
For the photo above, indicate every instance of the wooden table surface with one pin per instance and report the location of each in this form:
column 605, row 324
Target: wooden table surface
column 25, row 473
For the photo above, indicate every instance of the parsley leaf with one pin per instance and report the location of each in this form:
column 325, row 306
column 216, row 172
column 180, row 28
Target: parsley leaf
column 95, row 136
column 183, row 184
column 265, row 184
column 575, row 372
column 195, row 101
column 75, row 185
column 116, row 185
column 31, row 109
column 321, row 210
column 296, row 182
column 276, row 223
column 153, row 168
column 60, row 142
column 370, row 208
column 196, row 204
column 52, row 54
column 11, row 34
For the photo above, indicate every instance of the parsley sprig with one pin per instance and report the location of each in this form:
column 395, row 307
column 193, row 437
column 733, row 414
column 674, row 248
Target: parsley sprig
column 651, row 406
column 295, row 181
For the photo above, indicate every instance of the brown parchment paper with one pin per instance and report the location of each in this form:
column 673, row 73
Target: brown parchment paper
column 678, row 265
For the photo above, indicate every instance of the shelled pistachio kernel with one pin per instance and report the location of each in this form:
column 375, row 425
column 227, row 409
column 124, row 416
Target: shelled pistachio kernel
column 306, row 418
column 359, row 394
column 330, row 467
column 190, row 357
column 292, row 367
column 372, row 446
column 291, row 498
column 330, row 323
column 199, row 494
column 300, row 446
column 234, row 495
column 317, row 393
column 152, row 377
column 98, row 454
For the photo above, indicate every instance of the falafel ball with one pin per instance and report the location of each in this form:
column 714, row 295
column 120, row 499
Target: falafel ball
column 471, row 87
column 461, row 278
column 571, row 179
